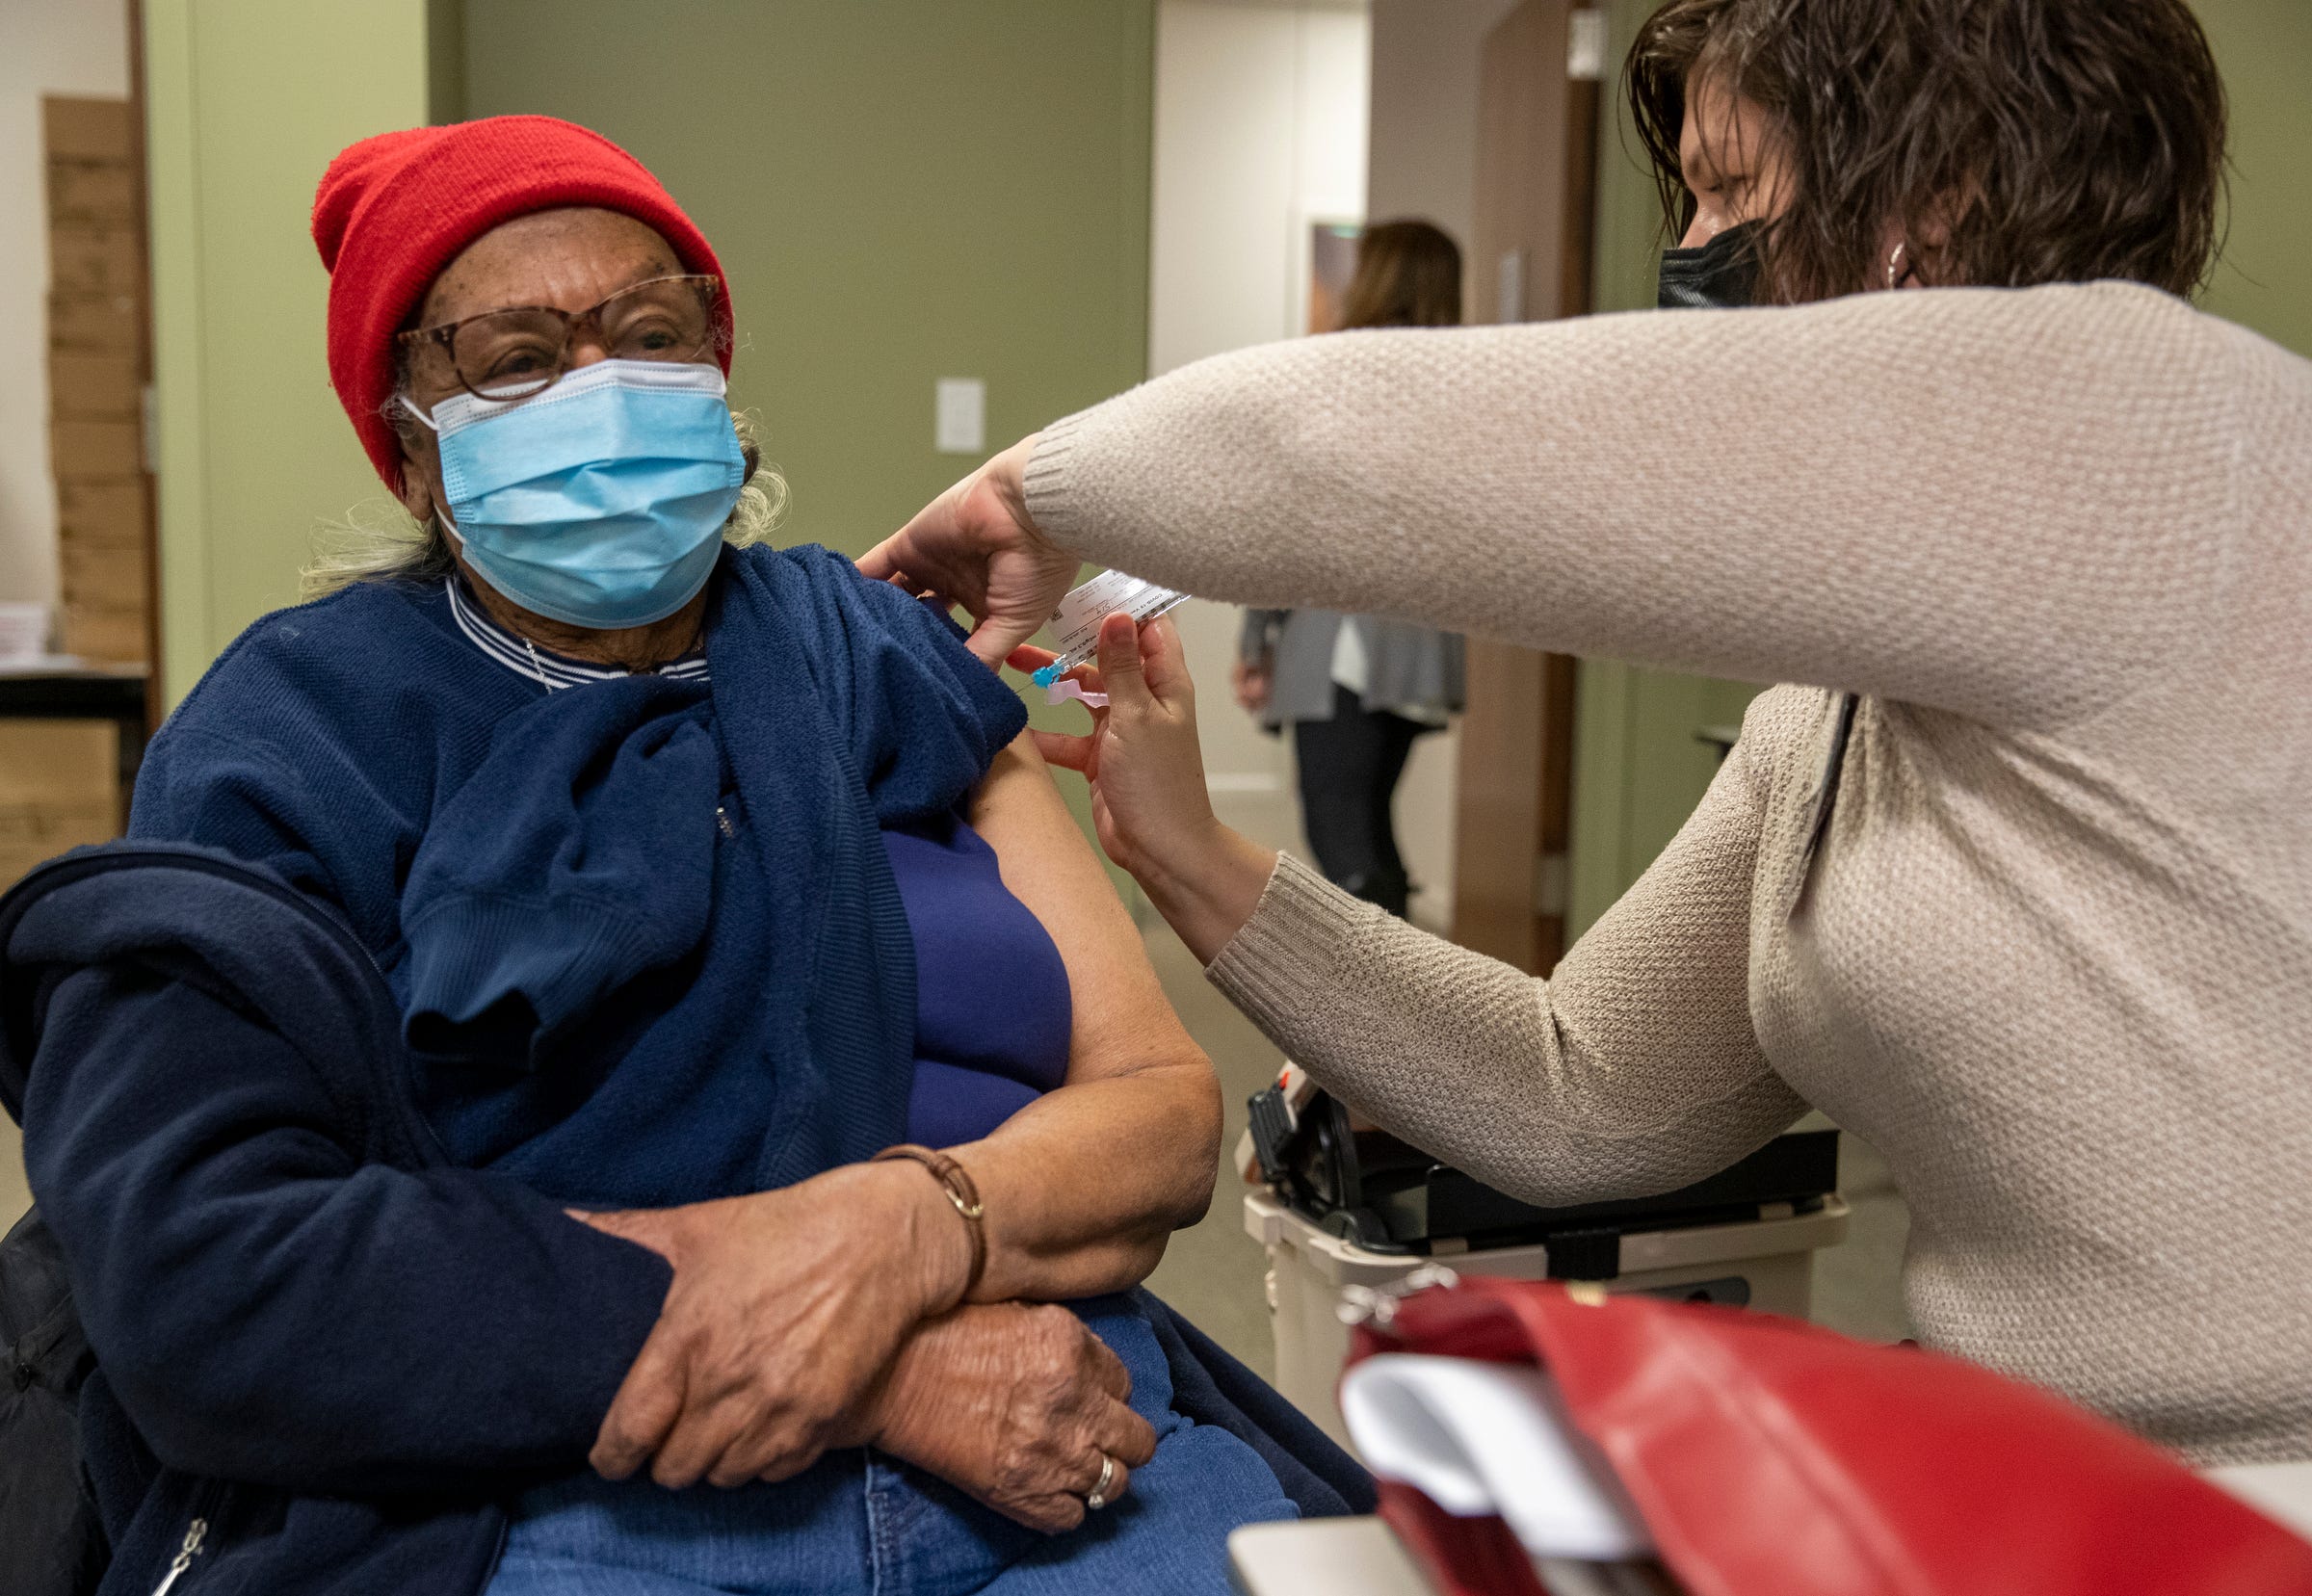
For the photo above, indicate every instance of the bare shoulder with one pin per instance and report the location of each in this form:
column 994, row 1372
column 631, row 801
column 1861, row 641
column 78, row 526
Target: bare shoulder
column 1049, row 864
column 1122, row 1020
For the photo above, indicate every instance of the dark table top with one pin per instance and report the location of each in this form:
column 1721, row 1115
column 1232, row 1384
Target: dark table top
column 67, row 693
column 58, row 690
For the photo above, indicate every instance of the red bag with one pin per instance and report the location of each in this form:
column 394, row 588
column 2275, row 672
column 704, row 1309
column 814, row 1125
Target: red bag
column 1773, row 1459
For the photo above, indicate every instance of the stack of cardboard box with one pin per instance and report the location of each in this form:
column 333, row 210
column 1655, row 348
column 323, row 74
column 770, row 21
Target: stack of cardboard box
column 60, row 787
column 96, row 319
column 60, row 779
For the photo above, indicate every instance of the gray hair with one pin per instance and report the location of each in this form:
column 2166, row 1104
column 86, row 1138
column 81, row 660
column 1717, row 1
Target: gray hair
column 378, row 540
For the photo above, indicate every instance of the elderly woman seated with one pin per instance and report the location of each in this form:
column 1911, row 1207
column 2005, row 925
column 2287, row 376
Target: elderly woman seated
column 495, row 1090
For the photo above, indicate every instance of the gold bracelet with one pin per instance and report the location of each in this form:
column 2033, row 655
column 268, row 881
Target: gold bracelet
column 961, row 1192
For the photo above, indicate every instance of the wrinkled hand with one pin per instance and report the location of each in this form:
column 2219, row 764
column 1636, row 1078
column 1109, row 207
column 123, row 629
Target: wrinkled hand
column 1252, row 685
column 974, row 545
column 1147, row 768
column 1012, row 1405
column 786, row 1308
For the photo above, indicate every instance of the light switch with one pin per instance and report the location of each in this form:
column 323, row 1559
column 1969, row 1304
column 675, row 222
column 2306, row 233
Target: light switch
column 962, row 425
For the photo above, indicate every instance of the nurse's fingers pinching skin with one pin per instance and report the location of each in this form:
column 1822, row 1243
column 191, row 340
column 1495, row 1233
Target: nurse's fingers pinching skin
column 977, row 545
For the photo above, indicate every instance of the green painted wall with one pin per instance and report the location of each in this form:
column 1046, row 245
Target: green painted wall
column 1639, row 768
column 901, row 191
column 247, row 102
column 2265, row 281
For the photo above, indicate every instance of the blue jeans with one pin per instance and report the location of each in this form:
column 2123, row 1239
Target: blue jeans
column 864, row 1523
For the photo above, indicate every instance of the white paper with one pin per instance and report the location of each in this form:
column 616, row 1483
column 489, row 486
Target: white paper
column 1076, row 624
column 1483, row 1438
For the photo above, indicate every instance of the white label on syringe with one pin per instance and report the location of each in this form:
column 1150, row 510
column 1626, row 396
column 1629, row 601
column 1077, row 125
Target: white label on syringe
column 1076, row 624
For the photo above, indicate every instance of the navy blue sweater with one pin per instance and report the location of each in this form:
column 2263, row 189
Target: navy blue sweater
column 312, row 1337
column 332, row 1352
column 644, row 933
column 634, row 944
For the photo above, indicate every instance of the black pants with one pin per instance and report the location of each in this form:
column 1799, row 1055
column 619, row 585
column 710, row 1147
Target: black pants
column 1349, row 771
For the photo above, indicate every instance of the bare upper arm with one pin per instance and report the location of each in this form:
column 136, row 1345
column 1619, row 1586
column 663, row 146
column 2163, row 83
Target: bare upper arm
column 1122, row 1022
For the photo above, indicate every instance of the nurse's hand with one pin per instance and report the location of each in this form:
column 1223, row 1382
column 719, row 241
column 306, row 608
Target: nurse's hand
column 1013, row 1405
column 1148, row 799
column 974, row 545
column 786, row 1308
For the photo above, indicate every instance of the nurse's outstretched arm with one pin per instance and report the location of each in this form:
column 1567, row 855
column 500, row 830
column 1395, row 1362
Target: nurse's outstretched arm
column 2019, row 506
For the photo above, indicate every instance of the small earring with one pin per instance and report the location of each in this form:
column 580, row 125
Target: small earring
column 1894, row 266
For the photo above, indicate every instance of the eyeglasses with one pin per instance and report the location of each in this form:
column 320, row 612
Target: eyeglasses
column 524, row 350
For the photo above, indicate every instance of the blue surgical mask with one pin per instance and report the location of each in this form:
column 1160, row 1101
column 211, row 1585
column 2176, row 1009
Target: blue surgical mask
column 600, row 501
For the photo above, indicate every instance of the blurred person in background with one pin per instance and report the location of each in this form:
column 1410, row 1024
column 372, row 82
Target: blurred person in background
column 1358, row 689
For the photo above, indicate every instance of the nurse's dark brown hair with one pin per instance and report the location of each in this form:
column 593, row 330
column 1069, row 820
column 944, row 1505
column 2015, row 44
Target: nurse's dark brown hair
column 2056, row 141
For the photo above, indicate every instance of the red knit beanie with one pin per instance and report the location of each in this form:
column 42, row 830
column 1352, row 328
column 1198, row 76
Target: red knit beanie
column 392, row 211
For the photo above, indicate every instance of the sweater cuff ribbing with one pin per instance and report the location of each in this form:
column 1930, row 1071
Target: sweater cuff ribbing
column 1050, row 505
column 1280, row 961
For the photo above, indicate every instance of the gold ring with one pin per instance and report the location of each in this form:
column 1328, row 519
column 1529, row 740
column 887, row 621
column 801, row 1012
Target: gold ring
column 1097, row 1497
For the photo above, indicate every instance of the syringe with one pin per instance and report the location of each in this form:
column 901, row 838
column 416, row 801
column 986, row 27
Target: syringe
column 1076, row 624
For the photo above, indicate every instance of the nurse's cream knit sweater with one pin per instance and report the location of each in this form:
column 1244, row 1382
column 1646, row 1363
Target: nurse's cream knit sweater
column 2053, row 958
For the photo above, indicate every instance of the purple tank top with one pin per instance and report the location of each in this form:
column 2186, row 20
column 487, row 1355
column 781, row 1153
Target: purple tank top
column 992, row 1010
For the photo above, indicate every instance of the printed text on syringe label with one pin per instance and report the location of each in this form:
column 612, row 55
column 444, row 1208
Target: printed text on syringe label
column 1076, row 624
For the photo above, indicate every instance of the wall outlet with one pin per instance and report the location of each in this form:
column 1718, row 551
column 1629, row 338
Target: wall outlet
column 960, row 425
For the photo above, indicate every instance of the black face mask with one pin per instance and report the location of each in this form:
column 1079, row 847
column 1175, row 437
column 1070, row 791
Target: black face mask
column 1723, row 274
